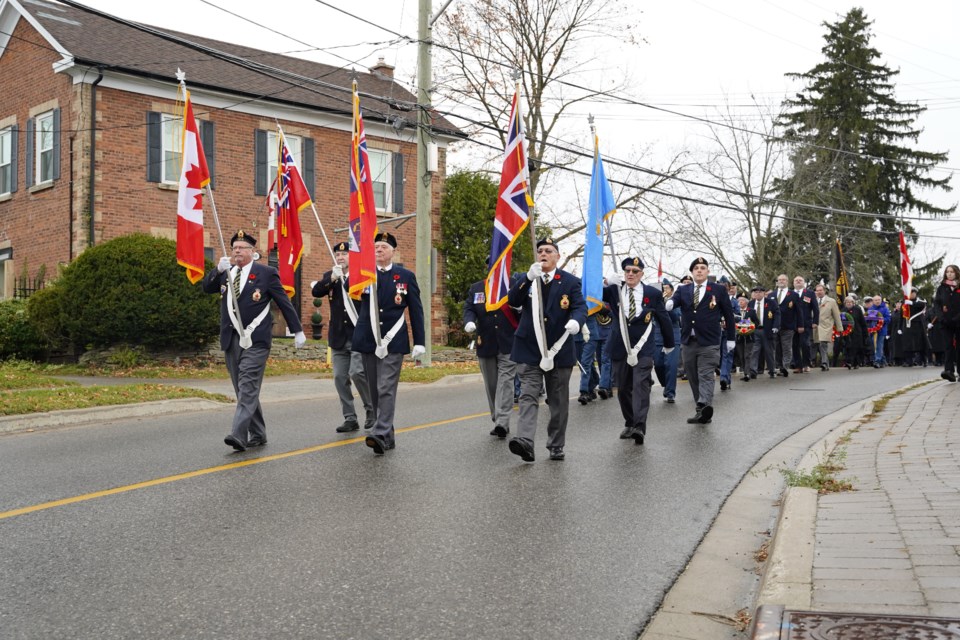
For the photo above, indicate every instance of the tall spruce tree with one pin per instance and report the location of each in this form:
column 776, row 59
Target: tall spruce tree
column 849, row 138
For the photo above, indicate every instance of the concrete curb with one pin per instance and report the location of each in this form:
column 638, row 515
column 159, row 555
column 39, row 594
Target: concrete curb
column 721, row 577
column 71, row 417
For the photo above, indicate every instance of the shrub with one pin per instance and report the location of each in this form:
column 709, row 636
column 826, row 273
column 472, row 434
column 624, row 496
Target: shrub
column 130, row 290
column 46, row 317
column 18, row 337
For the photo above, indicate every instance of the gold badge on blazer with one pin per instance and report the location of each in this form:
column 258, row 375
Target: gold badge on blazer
column 647, row 319
column 790, row 305
column 256, row 295
column 770, row 315
column 564, row 301
column 713, row 302
column 398, row 298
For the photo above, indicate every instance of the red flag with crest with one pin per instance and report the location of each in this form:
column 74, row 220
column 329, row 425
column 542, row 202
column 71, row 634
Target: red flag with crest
column 292, row 198
column 363, row 209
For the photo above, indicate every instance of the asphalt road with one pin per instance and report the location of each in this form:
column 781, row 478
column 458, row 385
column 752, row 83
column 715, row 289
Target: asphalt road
column 447, row 536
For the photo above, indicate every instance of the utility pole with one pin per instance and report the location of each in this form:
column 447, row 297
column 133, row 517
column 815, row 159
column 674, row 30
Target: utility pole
column 424, row 177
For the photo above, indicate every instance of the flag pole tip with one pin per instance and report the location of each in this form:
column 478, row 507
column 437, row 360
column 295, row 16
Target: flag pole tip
column 181, row 75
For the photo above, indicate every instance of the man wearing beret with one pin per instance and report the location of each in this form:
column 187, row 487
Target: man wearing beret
column 764, row 312
column 347, row 364
column 246, row 289
column 702, row 306
column 562, row 311
column 635, row 307
column 397, row 292
column 790, row 321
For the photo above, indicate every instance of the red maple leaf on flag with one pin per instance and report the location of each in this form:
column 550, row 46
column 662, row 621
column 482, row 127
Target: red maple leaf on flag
column 195, row 177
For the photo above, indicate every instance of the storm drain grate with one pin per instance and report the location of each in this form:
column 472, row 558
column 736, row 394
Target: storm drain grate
column 777, row 623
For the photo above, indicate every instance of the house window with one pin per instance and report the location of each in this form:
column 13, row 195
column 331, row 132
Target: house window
column 293, row 143
column 171, row 128
column 381, row 174
column 6, row 160
column 45, row 147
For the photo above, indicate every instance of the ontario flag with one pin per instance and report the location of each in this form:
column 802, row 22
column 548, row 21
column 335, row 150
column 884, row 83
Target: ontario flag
column 271, row 203
column 194, row 177
column 292, row 198
column 906, row 276
column 363, row 209
column 513, row 210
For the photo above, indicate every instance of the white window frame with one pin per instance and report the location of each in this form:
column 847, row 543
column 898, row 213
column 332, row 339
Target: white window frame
column 381, row 173
column 6, row 158
column 171, row 146
column 294, row 143
column 44, row 124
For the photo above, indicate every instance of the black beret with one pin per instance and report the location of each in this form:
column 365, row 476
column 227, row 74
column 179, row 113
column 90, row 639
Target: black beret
column 547, row 241
column 631, row 262
column 700, row 260
column 342, row 246
column 758, row 288
column 389, row 238
column 244, row 236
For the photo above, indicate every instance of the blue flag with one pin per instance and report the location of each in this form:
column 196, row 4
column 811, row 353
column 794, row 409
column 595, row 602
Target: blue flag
column 602, row 206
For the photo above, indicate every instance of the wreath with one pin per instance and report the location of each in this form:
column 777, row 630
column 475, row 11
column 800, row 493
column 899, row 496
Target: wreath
column 847, row 321
column 745, row 327
column 877, row 327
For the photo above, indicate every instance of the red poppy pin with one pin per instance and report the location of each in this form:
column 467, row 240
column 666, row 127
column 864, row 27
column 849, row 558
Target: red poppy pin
column 252, row 277
column 556, row 276
column 396, row 276
column 646, row 301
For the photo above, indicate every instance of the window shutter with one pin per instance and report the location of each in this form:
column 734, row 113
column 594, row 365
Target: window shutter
column 309, row 165
column 209, row 150
column 154, row 147
column 398, row 182
column 14, row 151
column 260, row 184
column 56, row 144
column 31, row 143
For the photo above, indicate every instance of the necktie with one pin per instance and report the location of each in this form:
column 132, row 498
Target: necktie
column 760, row 312
column 696, row 295
column 632, row 309
column 781, row 296
column 236, row 284
column 546, row 278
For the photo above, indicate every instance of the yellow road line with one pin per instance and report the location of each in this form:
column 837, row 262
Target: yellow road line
column 224, row 467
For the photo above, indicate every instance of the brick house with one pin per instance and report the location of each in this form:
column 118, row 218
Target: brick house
column 89, row 144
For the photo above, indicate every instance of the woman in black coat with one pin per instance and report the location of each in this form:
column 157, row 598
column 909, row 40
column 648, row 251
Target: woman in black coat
column 946, row 303
column 913, row 336
column 853, row 343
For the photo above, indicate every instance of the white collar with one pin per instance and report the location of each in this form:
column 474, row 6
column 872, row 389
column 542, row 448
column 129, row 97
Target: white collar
column 386, row 268
column 550, row 274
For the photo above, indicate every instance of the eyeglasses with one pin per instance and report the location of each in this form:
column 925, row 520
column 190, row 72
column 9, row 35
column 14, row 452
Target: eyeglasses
column 243, row 247
column 632, row 271
column 545, row 250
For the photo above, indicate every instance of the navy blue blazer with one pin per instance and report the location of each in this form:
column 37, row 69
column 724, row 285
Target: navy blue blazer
column 563, row 301
column 650, row 307
column 262, row 286
column 397, row 291
column 704, row 321
column 340, row 329
column 809, row 309
column 790, row 315
column 494, row 330
column 771, row 315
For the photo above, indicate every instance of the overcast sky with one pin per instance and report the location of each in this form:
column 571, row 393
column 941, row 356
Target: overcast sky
column 697, row 55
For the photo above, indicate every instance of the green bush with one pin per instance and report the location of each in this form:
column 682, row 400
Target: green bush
column 43, row 309
column 130, row 290
column 18, row 337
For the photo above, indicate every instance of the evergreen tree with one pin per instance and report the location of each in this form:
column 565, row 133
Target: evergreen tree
column 849, row 139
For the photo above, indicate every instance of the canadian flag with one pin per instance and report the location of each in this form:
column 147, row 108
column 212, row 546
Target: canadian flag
column 194, row 177
column 906, row 276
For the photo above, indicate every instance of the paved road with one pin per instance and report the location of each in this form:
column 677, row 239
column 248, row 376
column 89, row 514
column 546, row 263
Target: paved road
column 447, row 536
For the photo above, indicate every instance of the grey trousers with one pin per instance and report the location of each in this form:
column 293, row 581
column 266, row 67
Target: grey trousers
column 347, row 368
column 701, row 363
column 824, row 354
column 557, row 382
column 785, row 350
column 383, row 376
column 246, row 373
column 633, row 391
column 762, row 342
column 498, row 373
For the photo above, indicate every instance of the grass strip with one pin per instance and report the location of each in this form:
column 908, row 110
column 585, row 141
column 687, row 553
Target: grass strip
column 24, row 401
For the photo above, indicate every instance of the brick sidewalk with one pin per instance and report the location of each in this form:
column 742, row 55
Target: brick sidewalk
column 893, row 545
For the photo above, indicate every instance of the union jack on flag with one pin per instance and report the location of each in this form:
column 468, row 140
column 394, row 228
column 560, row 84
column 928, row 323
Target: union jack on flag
column 513, row 210
column 292, row 198
column 363, row 208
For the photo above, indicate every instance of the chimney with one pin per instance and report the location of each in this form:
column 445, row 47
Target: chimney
column 382, row 68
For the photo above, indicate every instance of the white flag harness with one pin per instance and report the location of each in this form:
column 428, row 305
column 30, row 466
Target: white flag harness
column 633, row 351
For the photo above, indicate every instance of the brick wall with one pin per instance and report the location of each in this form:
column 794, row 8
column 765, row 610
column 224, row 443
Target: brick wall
column 38, row 224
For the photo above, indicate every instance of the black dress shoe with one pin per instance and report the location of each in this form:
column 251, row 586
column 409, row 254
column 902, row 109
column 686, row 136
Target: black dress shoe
column 556, row 453
column 745, row 379
column 753, row 376
column 584, row 398
column 593, row 395
column 236, row 444
column 772, row 375
column 637, row 436
column 696, row 419
column 948, row 375
column 520, row 448
column 500, row 432
column 823, row 367
column 671, row 401
column 625, row 434
column 256, row 443
column 723, row 385
column 604, row 393
column 377, row 444
column 706, row 414
column 784, row 373
column 349, row 425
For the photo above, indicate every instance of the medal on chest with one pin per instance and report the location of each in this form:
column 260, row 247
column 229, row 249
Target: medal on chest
column 564, row 301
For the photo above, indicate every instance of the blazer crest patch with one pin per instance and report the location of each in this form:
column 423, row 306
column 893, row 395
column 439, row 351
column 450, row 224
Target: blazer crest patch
column 646, row 319
column 564, row 301
column 256, row 295
column 713, row 302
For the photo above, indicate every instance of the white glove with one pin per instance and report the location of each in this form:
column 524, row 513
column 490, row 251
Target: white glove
column 381, row 351
column 907, row 303
column 614, row 279
column 470, row 327
column 731, row 345
column 418, row 350
column 337, row 272
column 572, row 327
column 667, row 350
column 899, row 332
column 314, row 283
column 776, row 331
column 535, row 271
column 224, row 264
column 930, row 326
column 585, row 332
column 299, row 339
column 669, row 304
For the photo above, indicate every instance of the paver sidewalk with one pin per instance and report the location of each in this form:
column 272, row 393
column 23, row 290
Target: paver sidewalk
column 893, row 545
